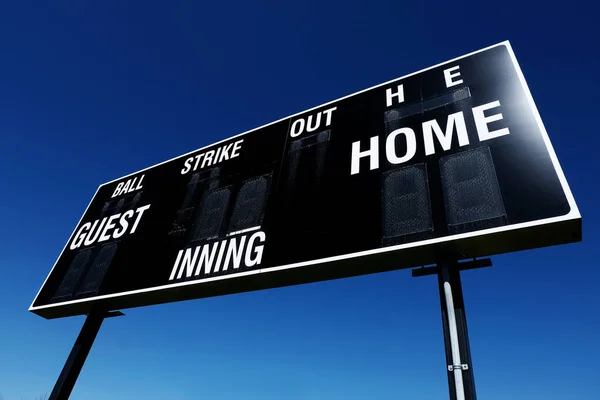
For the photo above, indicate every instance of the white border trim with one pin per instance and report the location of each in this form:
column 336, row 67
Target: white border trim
column 254, row 228
column 573, row 213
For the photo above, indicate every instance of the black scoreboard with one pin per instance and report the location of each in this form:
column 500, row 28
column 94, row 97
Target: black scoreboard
column 448, row 163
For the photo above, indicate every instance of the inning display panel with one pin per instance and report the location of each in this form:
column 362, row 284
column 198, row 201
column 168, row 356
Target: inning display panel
column 447, row 163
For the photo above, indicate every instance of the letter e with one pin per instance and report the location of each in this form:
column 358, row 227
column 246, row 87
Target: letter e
column 481, row 122
column 448, row 76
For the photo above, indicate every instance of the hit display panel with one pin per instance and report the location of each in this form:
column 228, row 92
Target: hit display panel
column 448, row 163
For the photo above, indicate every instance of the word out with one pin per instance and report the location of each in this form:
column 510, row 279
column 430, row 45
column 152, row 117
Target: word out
column 210, row 258
column 104, row 229
column 312, row 123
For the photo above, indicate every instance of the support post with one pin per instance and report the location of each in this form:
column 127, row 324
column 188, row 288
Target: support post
column 454, row 322
column 81, row 348
column 456, row 338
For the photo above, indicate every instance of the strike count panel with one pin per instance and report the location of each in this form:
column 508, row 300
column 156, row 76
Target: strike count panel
column 453, row 150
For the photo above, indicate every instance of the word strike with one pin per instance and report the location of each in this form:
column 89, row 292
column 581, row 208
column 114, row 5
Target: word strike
column 212, row 157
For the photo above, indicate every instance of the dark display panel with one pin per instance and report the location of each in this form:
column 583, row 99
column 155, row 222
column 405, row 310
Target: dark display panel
column 448, row 163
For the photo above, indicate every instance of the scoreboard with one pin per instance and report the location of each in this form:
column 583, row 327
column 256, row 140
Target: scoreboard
column 447, row 163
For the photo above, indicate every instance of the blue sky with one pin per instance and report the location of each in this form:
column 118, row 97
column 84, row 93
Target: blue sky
column 91, row 91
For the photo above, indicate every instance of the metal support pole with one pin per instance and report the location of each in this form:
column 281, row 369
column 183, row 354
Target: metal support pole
column 70, row 372
column 456, row 337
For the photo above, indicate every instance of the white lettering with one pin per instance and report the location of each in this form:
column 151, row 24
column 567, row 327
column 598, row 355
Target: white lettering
column 372, row 153
column 455, row 122
column 234, row 253
column 310, row 128
column 258, row 250
column 328, row 115
column 187, row 165
column 456, row 119
column 117, row 190
column 220, row 256
column 411, row 146
column 174, row 270
column 200, row 260
column 448, row 76
column 80, row 236
column 140, row 186
column 109, row 225
column 124, row 224
column 206, row 259
column 481, row 121
column 91, row 239
column 236, row 147
column 132, row 186
column 225, row 152
column 188, row 262
column 297, row 127
column 139, row 212
column 100, row 229
column 198, row 157
column 126, row 187
column 217, row 155
column 390, row 95
column 208, row 158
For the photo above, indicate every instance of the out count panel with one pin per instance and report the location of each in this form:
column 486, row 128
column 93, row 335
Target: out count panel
column 447, row 163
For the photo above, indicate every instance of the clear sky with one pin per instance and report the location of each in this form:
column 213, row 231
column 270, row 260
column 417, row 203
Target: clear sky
column 91, row 91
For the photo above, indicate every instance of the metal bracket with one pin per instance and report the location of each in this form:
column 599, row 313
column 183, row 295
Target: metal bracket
column 461, row 266
column 112, row 314
column 463, row 367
